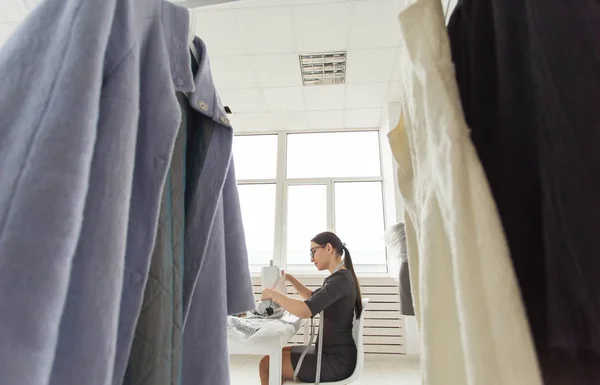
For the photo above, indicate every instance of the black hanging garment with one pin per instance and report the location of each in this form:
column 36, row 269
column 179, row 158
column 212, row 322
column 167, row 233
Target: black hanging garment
column 529, row 79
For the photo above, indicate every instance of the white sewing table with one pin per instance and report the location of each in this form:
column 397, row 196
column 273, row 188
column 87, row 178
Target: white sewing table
column 269, row 347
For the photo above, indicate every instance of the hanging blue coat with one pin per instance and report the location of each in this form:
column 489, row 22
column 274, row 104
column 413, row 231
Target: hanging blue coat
column 88, row 118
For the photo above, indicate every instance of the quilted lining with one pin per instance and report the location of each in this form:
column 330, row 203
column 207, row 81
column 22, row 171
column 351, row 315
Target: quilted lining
column 155, row 357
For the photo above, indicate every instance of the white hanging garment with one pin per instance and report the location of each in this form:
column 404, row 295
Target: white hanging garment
column 471, row 318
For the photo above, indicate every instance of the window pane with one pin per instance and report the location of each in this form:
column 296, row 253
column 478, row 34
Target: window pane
column 335, row 154
column 255, row 156
column 307, row 216
column 359, row 220
column 258, row 215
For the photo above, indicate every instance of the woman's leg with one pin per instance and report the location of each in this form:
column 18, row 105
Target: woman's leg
column 287, row 370
column 263, row 370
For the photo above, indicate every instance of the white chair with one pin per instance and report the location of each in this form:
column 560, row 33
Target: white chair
column 358, row 333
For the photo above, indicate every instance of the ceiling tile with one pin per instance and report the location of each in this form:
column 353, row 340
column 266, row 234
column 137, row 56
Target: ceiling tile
column 320, row 98
column 394, row 92
column 259, row 3
column 251, row 122
column 326, row 119
column 266, row 30
column 397, row 72
column 244, row 100
column 217, row 6
column 30, row 4
column 322, row 27
column 233, row 72
column 364, row 118
column 316, row 1
column 374, row 24
column 297, row 120
column 219, row 32
column 11, row 11
column 366, row 95
column 370, row 65
column 6, row 30
column 204, row 4
column 284, row 99
column 277, row 70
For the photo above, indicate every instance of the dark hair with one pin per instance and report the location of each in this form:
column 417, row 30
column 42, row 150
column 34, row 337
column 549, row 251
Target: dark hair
column 335, row 242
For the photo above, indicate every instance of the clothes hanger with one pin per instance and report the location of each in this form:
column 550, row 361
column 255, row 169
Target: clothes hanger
column 192, row 36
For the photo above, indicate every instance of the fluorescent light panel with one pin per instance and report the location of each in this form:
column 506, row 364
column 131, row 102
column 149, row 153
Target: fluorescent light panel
column 323, row 68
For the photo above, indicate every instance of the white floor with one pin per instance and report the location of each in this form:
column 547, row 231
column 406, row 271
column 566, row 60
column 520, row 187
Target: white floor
column 379, row 370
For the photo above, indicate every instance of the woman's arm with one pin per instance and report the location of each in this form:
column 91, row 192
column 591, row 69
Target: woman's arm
column 296, row 307
column 302, row 290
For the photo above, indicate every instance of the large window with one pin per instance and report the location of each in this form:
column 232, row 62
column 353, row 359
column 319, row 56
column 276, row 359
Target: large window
column 333, row 155
column 306, row 217
column 295, row 185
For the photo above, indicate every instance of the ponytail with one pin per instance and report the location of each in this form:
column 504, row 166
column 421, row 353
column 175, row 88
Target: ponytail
column 329, row 237
column 348, row 264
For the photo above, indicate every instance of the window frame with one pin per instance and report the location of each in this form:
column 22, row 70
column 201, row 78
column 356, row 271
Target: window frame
column 281, row 199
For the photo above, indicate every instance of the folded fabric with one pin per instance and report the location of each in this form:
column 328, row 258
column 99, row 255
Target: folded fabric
column 246, row 328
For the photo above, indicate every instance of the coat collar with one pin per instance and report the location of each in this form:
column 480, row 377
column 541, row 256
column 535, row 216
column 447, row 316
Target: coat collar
column 175, row 22
column 205, row 98
column 202, row 93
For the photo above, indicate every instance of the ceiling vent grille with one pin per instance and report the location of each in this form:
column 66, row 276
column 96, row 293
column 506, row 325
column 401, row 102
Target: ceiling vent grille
column 323, row 68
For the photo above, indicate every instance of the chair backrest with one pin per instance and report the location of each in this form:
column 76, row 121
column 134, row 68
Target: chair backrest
column 358, row 331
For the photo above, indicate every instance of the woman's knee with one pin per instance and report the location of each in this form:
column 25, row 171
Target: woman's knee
column 287, row 368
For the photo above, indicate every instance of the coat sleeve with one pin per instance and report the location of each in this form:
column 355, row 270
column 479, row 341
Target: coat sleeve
column 49, row 107
column 240, row 293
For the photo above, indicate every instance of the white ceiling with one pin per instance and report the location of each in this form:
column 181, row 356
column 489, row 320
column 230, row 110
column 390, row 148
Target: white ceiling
column 254, row 47
column 11, row 13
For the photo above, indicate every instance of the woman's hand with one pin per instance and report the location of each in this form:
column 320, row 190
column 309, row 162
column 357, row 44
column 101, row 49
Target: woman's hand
column 295, row 306
column 267, row 294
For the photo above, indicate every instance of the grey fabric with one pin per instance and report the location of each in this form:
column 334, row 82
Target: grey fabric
column 155, row 357
column 406, row 300
column 337, row 298
column 395, row 240
column 89, row 118
column 179, row 175
column 217, row 279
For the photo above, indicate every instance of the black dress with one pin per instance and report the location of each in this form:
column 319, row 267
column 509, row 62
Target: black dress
column 529, row 75
column 337, row 297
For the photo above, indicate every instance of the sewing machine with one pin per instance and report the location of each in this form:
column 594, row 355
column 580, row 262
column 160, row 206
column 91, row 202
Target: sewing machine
column 271, row 278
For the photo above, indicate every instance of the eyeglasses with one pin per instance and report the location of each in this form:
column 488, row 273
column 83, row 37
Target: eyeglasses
column 313, row 250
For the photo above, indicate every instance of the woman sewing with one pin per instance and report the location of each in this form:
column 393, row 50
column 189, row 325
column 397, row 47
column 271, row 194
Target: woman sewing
column 340, row 298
